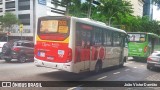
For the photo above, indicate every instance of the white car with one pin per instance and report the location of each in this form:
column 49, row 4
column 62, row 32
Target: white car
column 153, row 60
column 1, row 45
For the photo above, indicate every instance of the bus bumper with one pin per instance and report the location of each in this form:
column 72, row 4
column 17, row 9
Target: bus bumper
column 141, row 55
column 59, row 66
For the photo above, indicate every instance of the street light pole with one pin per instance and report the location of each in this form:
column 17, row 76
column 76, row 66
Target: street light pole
column 111, row 18
column 89, row 8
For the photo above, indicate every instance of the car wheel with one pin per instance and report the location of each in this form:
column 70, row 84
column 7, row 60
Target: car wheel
column 7, row 59
column 149, row 67
column 22, row 58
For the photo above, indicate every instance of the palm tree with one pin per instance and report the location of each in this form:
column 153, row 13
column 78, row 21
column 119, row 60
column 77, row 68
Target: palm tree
column 71, row 5
column 114, row 8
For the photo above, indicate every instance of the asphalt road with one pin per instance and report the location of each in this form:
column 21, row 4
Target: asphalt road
column 132, row 71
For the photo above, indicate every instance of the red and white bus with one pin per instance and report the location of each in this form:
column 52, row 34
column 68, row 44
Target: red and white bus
column 76, row 44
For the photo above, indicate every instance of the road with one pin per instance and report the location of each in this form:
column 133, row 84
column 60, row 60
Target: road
column 132, row 71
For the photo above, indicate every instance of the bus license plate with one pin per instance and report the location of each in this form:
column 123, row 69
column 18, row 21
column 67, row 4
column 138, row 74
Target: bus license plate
column 41, row 54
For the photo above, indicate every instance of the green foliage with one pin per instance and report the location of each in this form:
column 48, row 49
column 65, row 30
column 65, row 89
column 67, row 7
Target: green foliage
column 118, row 12
column 114, row 8
column 138, row 24
column 8, row 20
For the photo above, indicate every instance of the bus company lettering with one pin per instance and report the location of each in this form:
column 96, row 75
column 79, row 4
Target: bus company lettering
column 56, row 45
column 140, row 85
column 45, row 44
column 15, row 84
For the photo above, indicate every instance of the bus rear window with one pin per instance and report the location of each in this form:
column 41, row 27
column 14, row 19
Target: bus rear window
column 53, row 29
column 137, row 37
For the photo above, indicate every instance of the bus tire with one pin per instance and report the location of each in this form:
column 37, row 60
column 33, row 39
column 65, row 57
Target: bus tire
column 98, row 66
column 122, row 64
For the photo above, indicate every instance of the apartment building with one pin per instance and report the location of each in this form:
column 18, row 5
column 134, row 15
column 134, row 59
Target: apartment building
column 28, row 11
column 148, row 9
column 137, row 7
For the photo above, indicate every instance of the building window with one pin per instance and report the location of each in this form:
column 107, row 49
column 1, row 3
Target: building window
column 24, row 19
column 10, row 5
column 1, row 2
column 10, row 10
column 1, row 9
column 23, row 5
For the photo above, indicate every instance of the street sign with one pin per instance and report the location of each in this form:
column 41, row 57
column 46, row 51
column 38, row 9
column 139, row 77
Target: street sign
column 21, row 27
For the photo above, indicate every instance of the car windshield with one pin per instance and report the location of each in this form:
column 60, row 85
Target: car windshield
column 18, row 44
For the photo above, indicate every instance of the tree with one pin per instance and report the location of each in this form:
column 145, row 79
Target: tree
column 114, row 8
column 72, row 6
column 140, row 24
column 157, row 2
column 8, row 21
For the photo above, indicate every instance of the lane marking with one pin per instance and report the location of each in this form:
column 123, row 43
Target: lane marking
column 74, row 87
column 116, row 73
column 135, row 67
column 101, row 78
column 126, row 69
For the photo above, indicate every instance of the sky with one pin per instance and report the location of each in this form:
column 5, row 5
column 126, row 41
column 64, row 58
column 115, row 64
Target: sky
column 156, row 13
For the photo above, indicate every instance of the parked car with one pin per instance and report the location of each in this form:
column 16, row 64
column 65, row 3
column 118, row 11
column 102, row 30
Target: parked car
column 3, row 40
column 153, row 60
column 21, row 50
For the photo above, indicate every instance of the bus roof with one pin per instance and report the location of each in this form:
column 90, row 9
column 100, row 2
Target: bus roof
column 97, row 23
column 88, row 21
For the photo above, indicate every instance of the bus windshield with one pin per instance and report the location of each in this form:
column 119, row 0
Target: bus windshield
column 137, row 37
column 53, row 29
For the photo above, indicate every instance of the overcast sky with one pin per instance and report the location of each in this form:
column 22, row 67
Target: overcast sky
column 156, row 13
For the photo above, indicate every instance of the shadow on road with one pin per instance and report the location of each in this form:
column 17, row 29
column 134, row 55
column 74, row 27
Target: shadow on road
column 138, row 60
column 67, row 76
column 14, row 61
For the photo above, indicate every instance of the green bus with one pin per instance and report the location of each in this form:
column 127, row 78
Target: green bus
column 142, row 44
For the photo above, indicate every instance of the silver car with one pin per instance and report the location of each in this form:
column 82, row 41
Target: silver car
column 153, row 60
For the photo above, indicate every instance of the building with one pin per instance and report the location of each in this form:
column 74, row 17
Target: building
column 137, row 7
column 156, row 13
column 148, row 9
column 28, row 11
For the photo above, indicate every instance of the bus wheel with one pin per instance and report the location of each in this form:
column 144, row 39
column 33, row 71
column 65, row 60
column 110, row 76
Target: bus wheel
column 122, row 64
column 98, row 67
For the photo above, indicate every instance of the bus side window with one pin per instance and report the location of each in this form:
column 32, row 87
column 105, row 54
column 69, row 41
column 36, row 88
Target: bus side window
column 107, row 38
column 116, row 39
column 97, row 37
column 86, row 38
column 78, row 38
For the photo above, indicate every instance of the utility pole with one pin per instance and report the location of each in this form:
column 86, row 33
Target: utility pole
column 111, row 18
column 89, row 8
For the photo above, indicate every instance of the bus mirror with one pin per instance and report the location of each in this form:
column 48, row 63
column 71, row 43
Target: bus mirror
column 127, row 39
